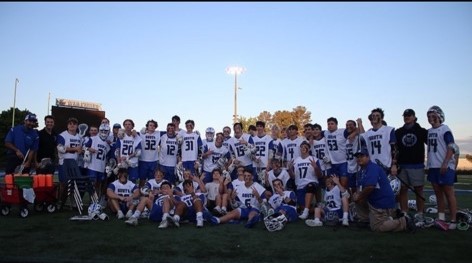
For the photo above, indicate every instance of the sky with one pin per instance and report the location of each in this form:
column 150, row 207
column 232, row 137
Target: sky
column 153, row 60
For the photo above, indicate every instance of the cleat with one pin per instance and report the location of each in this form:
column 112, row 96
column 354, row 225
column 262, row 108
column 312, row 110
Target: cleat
column 200, row 222
column 313, row 222
column 303, row 216
column 120, row 215
column 345, row 222
column 129, row 214
column 173, row 220
column 132, row 221
column 163, row 224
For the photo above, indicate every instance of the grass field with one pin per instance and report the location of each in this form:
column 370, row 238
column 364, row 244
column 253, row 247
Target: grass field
column 43, row 237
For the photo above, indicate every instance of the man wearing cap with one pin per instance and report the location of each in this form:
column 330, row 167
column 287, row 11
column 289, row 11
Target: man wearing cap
column 411, row 139
column 375, row 201
column 22, row 142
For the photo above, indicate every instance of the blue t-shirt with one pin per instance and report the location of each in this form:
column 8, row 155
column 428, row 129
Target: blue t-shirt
column 23, row 138
column 382, row 196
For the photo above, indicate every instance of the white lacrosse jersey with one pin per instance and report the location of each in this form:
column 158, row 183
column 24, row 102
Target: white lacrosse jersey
column 437, row 147
column 332, row 199
column 188, row 199
column 291, row 148
column 283, row 175
column 128, row 146
column 205, row 142
column 68, row 140
column 264, row 145
column 378, row 144
column 212, row 190
column 190, row 146
column 235, row 183
column 211, row 161
column 238, row 149
column 120, row 189
column 304, row 171
column 336, row 142
column 319, row 149
column 351, row 149
column 225, row 142
column 98, row 158
column 149, row 146
column 169, row 150
column 245, row 196
column 276, row 200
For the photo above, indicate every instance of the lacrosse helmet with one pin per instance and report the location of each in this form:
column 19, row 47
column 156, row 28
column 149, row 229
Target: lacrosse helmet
column 210, row 134
column 395, row 184
column 275, row 222
column 438, row 111
column 412, row 204
column 464, row 216
column 331, row 218
column 94, row 209
column 432, row 199
column 104, row 131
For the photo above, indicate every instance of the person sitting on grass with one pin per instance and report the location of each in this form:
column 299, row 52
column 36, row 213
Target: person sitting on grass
column 152, row 192
column 247, row 198
column 121, row 195
column 283, row 201
column 336, row 201
column 217, row 198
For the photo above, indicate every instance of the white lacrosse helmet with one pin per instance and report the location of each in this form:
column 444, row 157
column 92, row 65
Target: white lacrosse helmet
column 412, row 204
column 210, row 134
column 432, row 199
column 104, row 131
column 438, row 111
column 395, row 184
column 275, row 222
column 94, row 209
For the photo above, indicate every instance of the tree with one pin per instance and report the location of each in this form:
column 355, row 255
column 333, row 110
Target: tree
column 5, row 125
column 282, row 118
column 300, row 117
column 246, row 122
column 266, row 117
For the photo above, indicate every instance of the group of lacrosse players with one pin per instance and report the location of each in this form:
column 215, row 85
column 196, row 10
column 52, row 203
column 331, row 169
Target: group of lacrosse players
column 277, row 177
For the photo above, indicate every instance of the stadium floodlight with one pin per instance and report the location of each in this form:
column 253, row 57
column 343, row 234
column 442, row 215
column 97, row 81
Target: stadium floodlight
column 235, row 70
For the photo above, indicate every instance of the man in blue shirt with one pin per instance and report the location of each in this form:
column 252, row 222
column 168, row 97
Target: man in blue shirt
column 375, row 202
column 22, row 142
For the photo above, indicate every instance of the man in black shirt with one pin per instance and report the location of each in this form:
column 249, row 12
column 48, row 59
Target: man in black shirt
column 46, row 156
column 411, row 140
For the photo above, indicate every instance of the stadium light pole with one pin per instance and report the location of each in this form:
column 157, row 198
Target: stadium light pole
column 235, row 70
column 14, row 104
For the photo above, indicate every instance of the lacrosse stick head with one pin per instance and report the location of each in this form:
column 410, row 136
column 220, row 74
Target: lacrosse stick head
column 94, row 209
column 179, row 139
column 83, row 127
column 179, row 172
column 87, row 156
column 412, row 204
column 395, row 184
column 331, row 218
column 221, row 162
column 432, row 199
column 110, row 166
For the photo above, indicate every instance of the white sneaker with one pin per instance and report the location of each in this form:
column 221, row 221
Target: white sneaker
column 164, row 224
column 120, row 215
column 129, row 214
column 452, row 225
column 199, row 222
column 345, row 222
column 313, row 222
column 173, row 220
column 303, row 216
column 224, row 211
column 132, row 221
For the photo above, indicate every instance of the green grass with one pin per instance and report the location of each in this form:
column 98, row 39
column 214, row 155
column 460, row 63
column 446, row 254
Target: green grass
column 44, row 237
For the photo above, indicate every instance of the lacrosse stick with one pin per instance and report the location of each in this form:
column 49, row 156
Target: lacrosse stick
column 22, row 166
column 386, row 169
column 83, row 127
column 110, row 166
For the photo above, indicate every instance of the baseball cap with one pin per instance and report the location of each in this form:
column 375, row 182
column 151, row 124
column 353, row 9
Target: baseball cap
column 117, row 125
column 31, row 117
column 409, row 112
column 362, row 151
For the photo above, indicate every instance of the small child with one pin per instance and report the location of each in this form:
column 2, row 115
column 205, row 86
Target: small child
column 217, row 199
column 336, row 200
